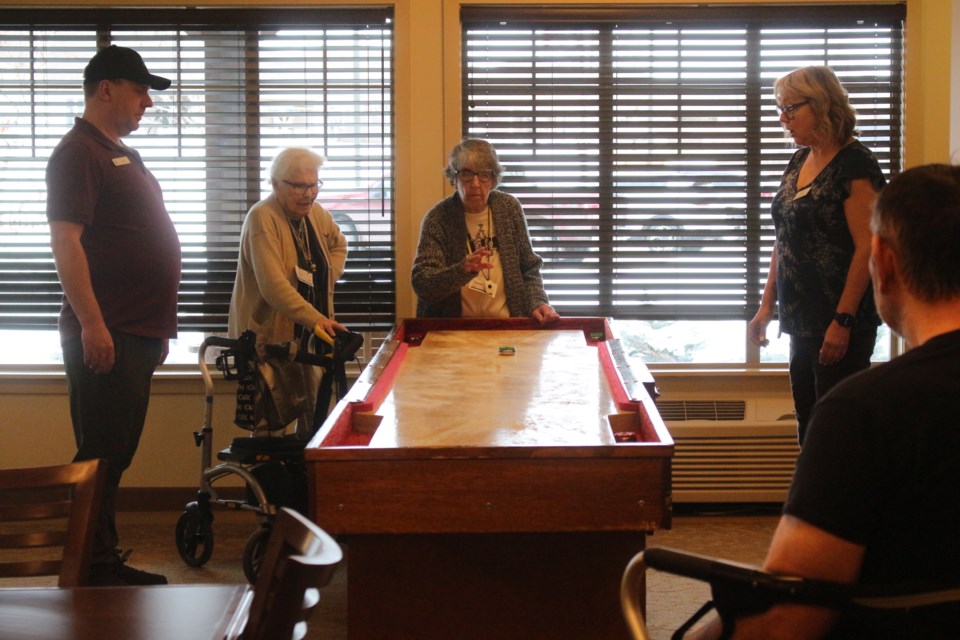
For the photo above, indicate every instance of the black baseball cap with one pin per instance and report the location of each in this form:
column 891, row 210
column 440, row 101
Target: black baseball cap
column 121, row 63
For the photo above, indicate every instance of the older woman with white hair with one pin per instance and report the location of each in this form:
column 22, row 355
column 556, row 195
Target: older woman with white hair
column 475, row 258
column 291, row 255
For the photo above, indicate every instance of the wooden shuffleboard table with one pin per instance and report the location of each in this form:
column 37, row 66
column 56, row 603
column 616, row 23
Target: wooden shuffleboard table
column 491, row 479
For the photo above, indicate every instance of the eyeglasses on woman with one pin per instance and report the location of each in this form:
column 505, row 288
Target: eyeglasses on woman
column 467, row 176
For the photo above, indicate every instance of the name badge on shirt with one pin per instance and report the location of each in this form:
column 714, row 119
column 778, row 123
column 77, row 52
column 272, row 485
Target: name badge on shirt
column 122, row 160
column 305, row 277
column 802, row 193
column 481, row 285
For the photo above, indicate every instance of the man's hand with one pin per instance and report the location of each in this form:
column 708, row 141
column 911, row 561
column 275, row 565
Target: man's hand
column 98, row 350
column 74, row 271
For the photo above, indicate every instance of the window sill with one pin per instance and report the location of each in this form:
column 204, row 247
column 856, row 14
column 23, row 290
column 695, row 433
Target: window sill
column 184, row 379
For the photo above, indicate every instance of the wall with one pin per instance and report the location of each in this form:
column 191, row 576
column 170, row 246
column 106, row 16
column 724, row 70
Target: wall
column 955, row 84
column 34, row 417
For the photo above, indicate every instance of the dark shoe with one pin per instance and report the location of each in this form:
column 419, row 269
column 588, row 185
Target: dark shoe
column 118, row 574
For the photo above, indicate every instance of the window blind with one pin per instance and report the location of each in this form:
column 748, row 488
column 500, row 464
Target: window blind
column 246, row 83
column 645, row 146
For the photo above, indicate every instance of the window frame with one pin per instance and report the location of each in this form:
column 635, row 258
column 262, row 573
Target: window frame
column 365, row 296
column 757, row 223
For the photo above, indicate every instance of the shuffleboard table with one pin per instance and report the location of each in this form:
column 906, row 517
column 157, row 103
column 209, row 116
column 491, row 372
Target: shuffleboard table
column 491, row 479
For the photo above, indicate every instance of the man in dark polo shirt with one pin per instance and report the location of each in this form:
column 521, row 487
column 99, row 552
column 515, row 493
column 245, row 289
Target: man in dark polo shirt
column 118, row 258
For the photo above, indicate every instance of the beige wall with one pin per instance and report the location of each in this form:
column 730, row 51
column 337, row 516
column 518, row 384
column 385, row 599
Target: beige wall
column 955, row 84
column 34, row 416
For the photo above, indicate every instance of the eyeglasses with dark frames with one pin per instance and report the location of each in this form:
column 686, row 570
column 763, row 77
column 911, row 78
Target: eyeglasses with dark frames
column 466, row 176
column 304, row 187
column 790, row 110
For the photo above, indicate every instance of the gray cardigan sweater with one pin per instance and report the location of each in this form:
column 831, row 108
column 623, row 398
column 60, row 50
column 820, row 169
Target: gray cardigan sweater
column 438, row 273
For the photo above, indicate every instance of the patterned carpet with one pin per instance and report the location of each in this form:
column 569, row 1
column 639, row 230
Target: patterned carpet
column 739, row 535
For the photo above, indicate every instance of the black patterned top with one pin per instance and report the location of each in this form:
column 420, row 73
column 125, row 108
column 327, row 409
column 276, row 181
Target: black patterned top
column 814, row 245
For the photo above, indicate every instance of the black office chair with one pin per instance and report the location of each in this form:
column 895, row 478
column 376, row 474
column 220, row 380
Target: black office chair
column 740, row 590
column 300, row 559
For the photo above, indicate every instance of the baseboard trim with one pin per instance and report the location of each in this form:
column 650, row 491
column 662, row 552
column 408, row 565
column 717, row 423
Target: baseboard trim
column 167, row 498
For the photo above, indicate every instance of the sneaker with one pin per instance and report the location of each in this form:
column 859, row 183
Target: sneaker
column 119, row 574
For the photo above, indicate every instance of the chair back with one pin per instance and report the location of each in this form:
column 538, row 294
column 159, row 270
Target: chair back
column 47, row 520
column 300, row 559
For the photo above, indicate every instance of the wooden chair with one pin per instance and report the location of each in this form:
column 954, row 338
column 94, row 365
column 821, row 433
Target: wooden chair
column 739, row 589
column 299, row 560
column 47, row 520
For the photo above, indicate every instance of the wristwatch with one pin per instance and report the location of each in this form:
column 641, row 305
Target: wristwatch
column 845, row 320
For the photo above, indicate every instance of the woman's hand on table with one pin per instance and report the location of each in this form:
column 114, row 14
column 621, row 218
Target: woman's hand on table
column 544, row 314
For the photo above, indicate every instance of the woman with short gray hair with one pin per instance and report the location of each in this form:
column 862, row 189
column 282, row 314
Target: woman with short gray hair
column 474, row 257
column 291, row 254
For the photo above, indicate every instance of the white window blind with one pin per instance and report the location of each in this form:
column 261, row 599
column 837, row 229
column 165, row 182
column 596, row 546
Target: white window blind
column 645, row 146
column 246, row 83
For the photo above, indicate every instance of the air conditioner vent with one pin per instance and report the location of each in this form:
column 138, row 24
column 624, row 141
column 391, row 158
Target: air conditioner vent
column 729, row 450
column 741, row 468
column 713, row 410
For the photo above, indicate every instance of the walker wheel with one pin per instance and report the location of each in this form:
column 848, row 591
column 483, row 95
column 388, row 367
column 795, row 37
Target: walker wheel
column 195, row 537
column 253, row 552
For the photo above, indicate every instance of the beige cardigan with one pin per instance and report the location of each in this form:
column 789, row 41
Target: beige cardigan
column 265, row 298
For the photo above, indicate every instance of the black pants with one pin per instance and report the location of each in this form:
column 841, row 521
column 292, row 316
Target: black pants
column 108, row 412
column 810, row 380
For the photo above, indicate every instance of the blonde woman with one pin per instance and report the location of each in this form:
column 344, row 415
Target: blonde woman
column 818, row 274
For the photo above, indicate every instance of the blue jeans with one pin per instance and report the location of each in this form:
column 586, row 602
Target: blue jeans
column 108, row 412
column 810, row 380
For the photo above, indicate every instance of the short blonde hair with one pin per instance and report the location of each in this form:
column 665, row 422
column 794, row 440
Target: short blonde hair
column 821, row 88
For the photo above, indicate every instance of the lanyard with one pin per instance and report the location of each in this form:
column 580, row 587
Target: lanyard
column 484, row 240
column 302, row 239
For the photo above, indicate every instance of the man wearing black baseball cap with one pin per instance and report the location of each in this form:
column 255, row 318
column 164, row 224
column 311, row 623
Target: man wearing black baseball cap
column 121, row 63
column 118, row 257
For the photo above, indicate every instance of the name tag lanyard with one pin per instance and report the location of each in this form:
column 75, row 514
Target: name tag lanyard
column 482, row 241
column 312, row 274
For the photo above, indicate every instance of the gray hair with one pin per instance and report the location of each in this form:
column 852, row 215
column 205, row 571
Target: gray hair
column 476, row 152
column 293, row 158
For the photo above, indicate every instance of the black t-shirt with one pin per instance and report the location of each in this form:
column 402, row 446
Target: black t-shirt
column 880, row 467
